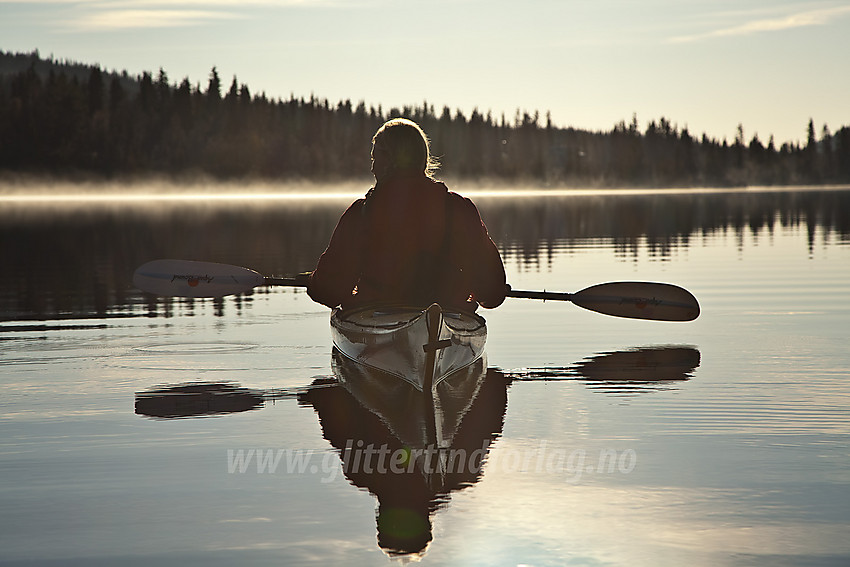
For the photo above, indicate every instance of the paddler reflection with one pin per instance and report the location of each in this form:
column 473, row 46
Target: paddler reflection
column 411, row 450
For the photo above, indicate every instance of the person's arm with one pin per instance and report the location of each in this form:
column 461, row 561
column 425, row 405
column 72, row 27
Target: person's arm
column 338, row 269
column 482, row 262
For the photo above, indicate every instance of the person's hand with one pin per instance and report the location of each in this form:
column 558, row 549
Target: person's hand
column 303, row 278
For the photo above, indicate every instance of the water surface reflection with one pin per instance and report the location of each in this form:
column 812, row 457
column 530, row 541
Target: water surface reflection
column 739, row 442
column 411, row 450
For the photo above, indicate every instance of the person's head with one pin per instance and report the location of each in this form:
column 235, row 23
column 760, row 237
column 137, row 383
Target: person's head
column 403, row 530
column 400, row 146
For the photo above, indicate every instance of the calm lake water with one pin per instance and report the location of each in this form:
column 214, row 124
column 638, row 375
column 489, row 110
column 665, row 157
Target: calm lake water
column 141, row 431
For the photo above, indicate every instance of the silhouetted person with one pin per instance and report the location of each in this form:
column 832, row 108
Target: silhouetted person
column 410, row 240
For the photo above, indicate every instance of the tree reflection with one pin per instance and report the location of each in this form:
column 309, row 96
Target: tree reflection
column 70, row 262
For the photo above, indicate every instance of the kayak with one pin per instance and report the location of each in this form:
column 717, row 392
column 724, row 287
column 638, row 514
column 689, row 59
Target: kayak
column 422, row 346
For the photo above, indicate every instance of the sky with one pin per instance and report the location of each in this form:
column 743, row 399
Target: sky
column 708, row 65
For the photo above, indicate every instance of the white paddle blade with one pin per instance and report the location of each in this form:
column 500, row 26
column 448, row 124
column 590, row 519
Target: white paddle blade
column 186, row 278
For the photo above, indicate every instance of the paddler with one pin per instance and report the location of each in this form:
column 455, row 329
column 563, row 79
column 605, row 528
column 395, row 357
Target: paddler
column 410, row 240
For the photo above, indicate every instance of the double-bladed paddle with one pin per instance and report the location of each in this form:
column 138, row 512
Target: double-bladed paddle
column 635, row 300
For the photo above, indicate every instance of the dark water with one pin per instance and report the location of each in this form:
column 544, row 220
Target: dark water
column 139, row 430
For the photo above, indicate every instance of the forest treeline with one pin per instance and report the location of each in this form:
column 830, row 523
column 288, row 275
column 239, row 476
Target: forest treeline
column 66, row 118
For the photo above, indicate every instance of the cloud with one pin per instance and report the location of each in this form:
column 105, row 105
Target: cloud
column 110, row 15
column 126, row 19
column 143, row 4
column 792, row 21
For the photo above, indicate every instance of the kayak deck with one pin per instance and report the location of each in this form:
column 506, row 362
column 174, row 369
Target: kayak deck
column 419, row 345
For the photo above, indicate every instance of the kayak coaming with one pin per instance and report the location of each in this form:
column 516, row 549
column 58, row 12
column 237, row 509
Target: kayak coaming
column 419, row 345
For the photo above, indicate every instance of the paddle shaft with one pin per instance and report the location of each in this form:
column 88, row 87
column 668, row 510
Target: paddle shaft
column 635, row 300
column 544, row 295
column 615, row 305
column 527, row 294
column 290, row 282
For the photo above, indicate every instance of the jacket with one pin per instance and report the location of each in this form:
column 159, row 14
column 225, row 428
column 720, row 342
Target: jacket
column 410, row 240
